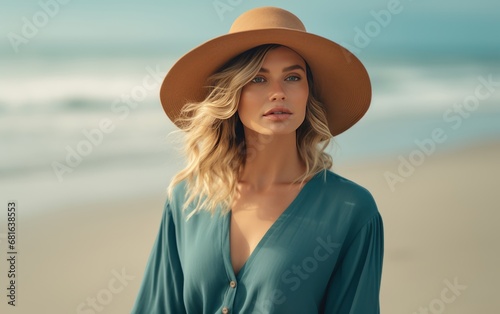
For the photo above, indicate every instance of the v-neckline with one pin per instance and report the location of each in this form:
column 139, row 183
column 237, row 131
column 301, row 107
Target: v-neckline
column 277, row 222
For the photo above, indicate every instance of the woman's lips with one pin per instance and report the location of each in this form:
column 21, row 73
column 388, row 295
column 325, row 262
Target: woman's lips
column 277, row 116
column 277, row 110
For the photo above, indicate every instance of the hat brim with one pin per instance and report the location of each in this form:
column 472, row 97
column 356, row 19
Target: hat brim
column 341, row 81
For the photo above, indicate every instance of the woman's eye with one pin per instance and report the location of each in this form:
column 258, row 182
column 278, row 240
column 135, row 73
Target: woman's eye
column 293, row 78
column 258, row 79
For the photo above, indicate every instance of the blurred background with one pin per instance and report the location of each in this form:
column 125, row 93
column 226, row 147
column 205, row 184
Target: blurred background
column 85, row 149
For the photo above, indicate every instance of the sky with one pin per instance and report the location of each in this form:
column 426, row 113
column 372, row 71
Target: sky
column 72, row 27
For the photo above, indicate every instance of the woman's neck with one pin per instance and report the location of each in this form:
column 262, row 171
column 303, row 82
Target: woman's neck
column 271, row 160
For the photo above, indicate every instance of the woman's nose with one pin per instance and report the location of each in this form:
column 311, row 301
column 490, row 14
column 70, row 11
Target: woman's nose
column 277, row 93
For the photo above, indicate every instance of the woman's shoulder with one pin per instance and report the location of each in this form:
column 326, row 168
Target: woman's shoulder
column 336, row 191
column 175, row 200
column 333, row 182
column 179, row 191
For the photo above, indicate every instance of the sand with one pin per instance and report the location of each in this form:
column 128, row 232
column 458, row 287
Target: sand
column 441, row 242
column 440, row 231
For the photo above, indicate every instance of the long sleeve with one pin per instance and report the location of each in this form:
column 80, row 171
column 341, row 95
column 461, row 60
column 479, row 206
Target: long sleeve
column 161, row 290
column 355, row 285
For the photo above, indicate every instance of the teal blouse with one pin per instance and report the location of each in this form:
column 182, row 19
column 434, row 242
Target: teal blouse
column 322, row 255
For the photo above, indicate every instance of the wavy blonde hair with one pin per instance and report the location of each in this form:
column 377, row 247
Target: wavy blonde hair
column 215, row 146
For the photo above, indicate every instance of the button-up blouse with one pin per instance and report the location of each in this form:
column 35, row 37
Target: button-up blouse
column 323, row 254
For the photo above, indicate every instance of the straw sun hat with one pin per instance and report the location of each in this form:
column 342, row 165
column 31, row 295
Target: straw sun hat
column 340, row 79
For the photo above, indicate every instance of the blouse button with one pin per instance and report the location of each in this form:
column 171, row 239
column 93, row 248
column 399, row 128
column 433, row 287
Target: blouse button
column 232, row 284
column 225, row 310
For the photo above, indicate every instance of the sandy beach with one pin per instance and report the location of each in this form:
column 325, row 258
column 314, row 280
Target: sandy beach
column 441, row 253
column 440, row 232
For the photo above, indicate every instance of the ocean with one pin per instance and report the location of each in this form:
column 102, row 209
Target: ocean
column 89, row 129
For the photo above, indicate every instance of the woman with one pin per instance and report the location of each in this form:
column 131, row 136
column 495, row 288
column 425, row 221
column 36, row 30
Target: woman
column 256, row 222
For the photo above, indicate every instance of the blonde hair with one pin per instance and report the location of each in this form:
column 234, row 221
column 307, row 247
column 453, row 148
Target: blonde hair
column 215, row 146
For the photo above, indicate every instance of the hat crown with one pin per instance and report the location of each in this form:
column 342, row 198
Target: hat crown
column 264, row 18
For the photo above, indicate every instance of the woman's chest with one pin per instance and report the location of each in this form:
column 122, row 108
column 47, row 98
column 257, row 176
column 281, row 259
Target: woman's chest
column 295, row 257
column 252, row 216
column 277, row 239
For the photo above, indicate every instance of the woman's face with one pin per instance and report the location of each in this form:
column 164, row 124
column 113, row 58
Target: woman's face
column 274, row 102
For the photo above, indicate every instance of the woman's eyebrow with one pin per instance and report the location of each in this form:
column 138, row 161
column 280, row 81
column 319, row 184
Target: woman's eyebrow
column 289, row 68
